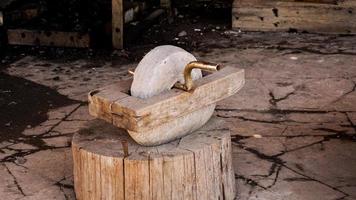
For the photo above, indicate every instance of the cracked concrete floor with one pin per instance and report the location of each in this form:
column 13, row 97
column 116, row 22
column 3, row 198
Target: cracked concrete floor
column 293, row 125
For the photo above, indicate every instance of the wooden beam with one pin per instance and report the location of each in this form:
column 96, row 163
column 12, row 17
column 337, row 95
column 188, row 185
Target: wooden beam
column 23, row 14
column 317, row 16
column 114, row 105
column 48, row 38
column 166, row 4
column 117, row 24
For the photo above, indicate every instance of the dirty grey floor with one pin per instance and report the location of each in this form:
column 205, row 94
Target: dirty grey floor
column 293, row 125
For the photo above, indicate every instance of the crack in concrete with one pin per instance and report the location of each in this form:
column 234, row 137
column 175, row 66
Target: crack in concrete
column 37, row 141
column 15, row 180
column 353, row 89
column 62, row 186
column 350, row 121
column 279, row 168
column 273, row 100
column 300, row 179
column 342, row 135
column 280, row 111
column 315, row 180
column 274, row 169
column 308, row 50
column 260, row 121
column 249, row 181
column 275, row 159
column 299, row 148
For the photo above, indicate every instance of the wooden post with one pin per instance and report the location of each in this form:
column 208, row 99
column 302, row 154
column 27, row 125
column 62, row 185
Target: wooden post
column 1, row 19
column 197, row 166
column 117, row 24
column 166, row 4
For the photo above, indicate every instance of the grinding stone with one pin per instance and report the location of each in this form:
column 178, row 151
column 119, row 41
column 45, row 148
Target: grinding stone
column 157, row 72
column 160, row 69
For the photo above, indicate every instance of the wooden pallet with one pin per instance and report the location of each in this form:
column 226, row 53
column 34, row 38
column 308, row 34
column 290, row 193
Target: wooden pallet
column 316, row 16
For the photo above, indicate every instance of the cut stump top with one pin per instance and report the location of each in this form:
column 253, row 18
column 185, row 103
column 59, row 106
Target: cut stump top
column 102, row 138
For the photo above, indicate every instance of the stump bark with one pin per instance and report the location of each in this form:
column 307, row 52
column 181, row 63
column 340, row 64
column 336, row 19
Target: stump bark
column 108, row 164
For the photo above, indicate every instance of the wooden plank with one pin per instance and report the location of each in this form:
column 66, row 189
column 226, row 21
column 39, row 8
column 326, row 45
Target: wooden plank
column 139, row 114
column 22, row 14
column 145, row 114
column 310, row 16
column 48, row 38
column 136, row 114
column 257, row 3
column 100, row 100
column 117, row 24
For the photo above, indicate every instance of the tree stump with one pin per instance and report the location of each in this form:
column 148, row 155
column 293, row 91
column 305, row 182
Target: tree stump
column 108, row 164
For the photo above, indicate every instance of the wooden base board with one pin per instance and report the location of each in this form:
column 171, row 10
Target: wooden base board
column 315, row 16
column 48, row 38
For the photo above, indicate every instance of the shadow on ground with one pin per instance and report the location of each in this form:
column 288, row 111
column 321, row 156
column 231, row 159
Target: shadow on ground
column 24, row 104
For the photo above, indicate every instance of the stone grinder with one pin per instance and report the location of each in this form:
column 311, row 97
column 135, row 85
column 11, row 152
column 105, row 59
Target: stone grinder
column 168, row 97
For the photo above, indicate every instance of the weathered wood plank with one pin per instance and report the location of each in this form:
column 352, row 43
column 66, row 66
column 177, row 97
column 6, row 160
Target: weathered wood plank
column 48, row 38
column 27, row 13
column 149, row 113
column 138, row 115
column 117, row 24
column 282, row 15
column 100, row 100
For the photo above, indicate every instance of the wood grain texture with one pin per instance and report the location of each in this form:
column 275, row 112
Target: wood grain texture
column 168, row 115
column 317, row 16
column 194, row 167
column 139, row 115
column 48, row 38
column 117, row 24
